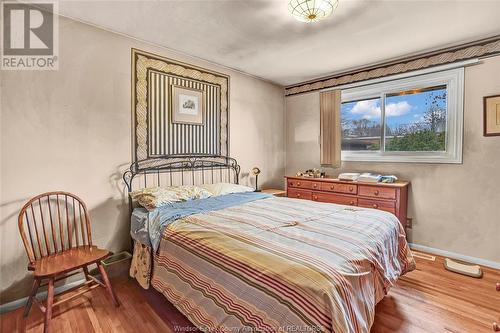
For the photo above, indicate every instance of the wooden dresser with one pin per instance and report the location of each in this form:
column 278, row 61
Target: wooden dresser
column 392, row 198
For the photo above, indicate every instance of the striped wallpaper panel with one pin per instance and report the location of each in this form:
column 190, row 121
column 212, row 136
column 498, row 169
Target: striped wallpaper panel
column 166, row 138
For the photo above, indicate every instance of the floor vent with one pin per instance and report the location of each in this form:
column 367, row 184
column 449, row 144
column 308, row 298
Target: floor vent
column 424, row 256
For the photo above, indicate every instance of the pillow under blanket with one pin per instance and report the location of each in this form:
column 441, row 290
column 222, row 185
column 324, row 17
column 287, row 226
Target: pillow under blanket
column 155, row 197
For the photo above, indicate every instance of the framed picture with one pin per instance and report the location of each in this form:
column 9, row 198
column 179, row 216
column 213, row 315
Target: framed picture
column 492, row 115
column 188, row 106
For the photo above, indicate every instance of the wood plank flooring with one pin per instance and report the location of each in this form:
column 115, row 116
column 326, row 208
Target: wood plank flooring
column 428, row 300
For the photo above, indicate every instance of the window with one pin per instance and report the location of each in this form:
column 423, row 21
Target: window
column 415, row 119
column 361, row 123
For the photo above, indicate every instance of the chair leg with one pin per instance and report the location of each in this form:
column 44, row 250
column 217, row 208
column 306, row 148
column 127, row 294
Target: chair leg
column 34, row 289
column 109, row 288
column 48, row 309
column 86, row 272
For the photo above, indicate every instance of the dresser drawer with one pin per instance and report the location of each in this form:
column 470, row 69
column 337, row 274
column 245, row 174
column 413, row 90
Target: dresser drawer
column 299, row 194
column 388, row 206
column 377, row 192
column 299, row 183
column 334, row 198
column 339, row 188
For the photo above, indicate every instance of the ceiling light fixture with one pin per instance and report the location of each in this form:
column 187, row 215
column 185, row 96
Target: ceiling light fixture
column 312, row 10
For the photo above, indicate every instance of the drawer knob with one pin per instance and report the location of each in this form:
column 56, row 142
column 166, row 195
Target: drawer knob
column 315, row 185
column 376, row 192
column 298, row 195
column 351, row 203
column 375, row 206
column 315, row 197
column 291, row 183
column 332, row 187
column 351, row 189
column 298, row 184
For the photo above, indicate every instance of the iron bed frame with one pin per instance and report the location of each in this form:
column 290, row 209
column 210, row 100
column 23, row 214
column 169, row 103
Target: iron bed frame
column 200, row 168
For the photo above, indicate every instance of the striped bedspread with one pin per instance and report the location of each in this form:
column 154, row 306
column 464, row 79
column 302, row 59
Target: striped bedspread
column 281, row 264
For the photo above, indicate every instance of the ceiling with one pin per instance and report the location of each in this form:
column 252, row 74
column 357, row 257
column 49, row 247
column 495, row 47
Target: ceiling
column 261, row 38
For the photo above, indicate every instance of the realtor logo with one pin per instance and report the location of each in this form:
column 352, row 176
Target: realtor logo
column 29, row 36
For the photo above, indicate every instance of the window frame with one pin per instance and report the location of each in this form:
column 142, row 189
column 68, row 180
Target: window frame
column 453, row 80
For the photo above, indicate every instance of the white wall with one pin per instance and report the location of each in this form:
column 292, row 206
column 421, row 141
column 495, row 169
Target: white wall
column 70, row 130
column 454, row 207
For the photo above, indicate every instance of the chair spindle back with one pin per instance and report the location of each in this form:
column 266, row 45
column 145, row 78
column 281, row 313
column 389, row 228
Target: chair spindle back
column 53, row 222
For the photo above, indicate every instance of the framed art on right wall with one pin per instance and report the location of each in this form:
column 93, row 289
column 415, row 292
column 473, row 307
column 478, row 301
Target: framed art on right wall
column 492, row 115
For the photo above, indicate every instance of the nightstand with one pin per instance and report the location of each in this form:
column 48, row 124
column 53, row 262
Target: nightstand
column 275, row 192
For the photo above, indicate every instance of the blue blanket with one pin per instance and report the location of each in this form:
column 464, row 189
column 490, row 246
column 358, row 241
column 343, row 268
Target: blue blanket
column 147, row 226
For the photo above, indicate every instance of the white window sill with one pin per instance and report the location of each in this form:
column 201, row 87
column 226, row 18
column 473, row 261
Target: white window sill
column 403, row 157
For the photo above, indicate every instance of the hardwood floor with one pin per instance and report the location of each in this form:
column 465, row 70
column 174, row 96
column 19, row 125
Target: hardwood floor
column 431, row 299
column 98, row 314
column 428, row 300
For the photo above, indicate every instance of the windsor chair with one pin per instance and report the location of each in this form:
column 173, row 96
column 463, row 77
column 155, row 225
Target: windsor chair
column 56, row 233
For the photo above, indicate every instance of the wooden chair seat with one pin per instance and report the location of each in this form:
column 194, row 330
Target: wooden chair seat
column 67, row 261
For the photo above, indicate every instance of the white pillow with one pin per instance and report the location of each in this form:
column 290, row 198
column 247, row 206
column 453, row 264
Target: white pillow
column 225, row 188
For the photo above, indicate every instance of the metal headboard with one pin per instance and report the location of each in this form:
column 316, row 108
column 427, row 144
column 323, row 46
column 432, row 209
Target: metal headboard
column 173, row 170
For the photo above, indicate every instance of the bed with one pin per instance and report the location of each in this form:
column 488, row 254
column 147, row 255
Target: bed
column 254, row 262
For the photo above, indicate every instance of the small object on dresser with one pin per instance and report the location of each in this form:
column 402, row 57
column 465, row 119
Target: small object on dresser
column 349, row 176
column 368, row 177
column 311, row 173
column 388, row 179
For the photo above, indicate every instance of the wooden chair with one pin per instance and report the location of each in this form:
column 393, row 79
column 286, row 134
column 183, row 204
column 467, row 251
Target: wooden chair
column 56, row 232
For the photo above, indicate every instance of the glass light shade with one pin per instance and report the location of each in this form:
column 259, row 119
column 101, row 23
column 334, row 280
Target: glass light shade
column 255, row 171
column 312, row 10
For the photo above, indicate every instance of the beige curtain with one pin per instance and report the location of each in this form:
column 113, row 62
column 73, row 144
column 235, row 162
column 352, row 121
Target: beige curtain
column 330, row 132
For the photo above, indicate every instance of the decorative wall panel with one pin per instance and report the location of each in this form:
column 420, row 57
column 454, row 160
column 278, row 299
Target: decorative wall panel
column 154, row 132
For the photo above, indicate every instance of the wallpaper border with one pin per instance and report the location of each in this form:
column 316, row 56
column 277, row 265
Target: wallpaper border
column 481, row 48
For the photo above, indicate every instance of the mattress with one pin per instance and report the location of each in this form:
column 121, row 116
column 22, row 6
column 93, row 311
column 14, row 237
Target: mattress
column 139, row 226
column 281, row 264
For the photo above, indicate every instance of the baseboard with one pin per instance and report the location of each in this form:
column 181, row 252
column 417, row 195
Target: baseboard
column 458, row 256
column 41, row 295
